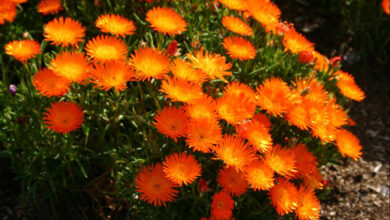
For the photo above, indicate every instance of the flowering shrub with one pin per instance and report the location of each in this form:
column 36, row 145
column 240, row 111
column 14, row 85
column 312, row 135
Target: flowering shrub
column 168, row 108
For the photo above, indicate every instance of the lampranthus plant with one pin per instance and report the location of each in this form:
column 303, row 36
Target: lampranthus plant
column 64, row 117
column 209, row 107
column 64, row 32
column 154, row 186
column 166, row 20
column 23, row 50
column 115, row 24
column 181, row 168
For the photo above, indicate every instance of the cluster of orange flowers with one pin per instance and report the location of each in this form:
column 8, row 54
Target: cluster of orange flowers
column 251, row 158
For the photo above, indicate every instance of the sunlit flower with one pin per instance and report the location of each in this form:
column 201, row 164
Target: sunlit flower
column 306, row 162
column 49, row 6
column 64, row 32
column 23, row 50
column 242, row 97
column 238, row 47
column 172, row 122
column 348, row 87
column 321, row 62
column 265, row 12
column 311, row 89
column 282, row 161
column 181, row 90
column 239, row 5
column 309, row 206
column 166, row 20
column 202, row 108
column 336, row 114
column 233, row 151
column 63, row 117
column 71, row 66
column 115, row 24
column 348, row 144
column 313, row 179
column 183, row 70
column 49, row 84
column 299, row 114
column 259, row 175
column 237, row 26
column 274, row 96
column 284, row 196
column 149, row 62
column 181, row 168
column 222, row 206
column 213, row 65
column 258, row 136
column 106, row 48
column 296, row 42
column 386, row 6
column 7, row 11
column 154, row 187
column 203, row 134
column 232, row 181
column 114, row 74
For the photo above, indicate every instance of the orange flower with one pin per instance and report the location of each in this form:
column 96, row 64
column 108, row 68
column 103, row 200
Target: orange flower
column 237, row 26
column 239, row 5
column 242, row 97
column 299, row 114
column 112, row 74
column 181, row 168
column 311, row 89
column 259, row 175
column 23, row 50
column 265, row 12
column 282, row 161
column 222, row 206
column 183, row 70
column 313, row 179
column 308, row 205
column 348, row 144
column 296, row 42
column 181, row 90
column 274, row 96
column 306, row 162
column 106, row 48
column 348, row 87
column 321, row 62
column 213, row 65
column 7, row 11
column 166, row 20
column 172, row 122
column 232, row 181
column 149, row 63
column 63, row 117
column 154, row 187
column 64, row 32
column 242, row 127
column 325, row 131
column 284, row 196
column 49, row 6
column 238, row 47
column 115, row 24
column 386, row 6
column 337, row 116
column 234, row 152
column 49, row 84
column 202, row 108
column 258, row 136
column 71, row 66
column 203, row 134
